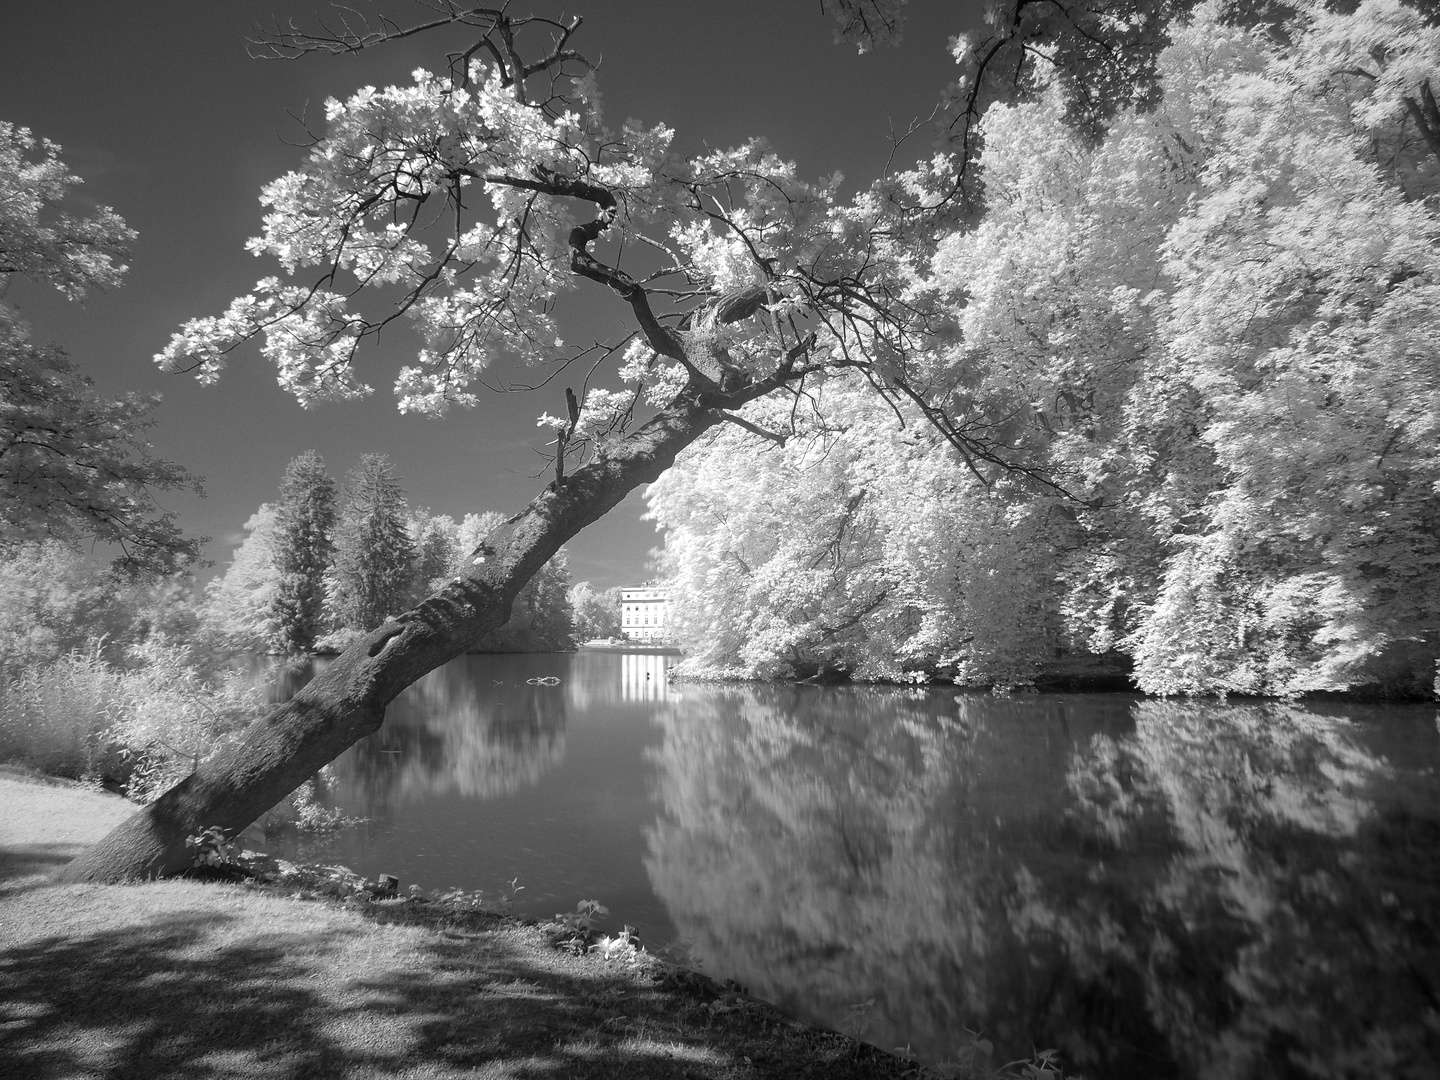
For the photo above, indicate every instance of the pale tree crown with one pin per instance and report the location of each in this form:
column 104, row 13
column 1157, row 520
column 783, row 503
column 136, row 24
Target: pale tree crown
column 469, row 201
column 73, row 465
column 41, row 240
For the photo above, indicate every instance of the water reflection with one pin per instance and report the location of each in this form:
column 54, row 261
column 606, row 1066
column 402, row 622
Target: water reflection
column 494, row 767
column 644, row 676
column 455, row 732
column 1157, row 889
column 1290, row 930
column 480, row 726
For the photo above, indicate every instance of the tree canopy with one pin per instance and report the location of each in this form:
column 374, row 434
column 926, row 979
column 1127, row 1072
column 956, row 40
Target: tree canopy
column 74, row 465
column 1210, row 328
column 1097, row 294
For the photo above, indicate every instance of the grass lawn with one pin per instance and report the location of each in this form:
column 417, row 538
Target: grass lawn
column 193, row 979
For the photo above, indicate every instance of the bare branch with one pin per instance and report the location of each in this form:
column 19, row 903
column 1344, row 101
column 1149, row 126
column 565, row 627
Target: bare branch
column 290, row 41
column 357, row 32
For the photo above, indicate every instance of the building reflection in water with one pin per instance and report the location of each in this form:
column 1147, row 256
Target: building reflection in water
column 481, row 726
column 645, row 676
column 501, row 767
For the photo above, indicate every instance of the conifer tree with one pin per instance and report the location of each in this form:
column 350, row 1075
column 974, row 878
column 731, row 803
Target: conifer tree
column 374, row 554
column 304, row 549
column 240, row 605
column 435, row 552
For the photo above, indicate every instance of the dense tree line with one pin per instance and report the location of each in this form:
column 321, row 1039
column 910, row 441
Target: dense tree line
column 596, row 613
column 104, row 670
column 1211, row 327
column 326, row 563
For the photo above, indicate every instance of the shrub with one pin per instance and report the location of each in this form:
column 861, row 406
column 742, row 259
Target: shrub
column 53, row 718
column 171, row 717
column 142, row 727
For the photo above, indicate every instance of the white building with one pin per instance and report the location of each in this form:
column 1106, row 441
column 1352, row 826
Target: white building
column 644, row 614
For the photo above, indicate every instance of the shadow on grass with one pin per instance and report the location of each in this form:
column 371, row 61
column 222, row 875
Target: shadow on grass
column 27, row 866
column 144, row 1001
column 179, row 994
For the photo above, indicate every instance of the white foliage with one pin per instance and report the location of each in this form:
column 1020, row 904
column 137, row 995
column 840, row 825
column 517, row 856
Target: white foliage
column 1216, row 328
column 239, row 606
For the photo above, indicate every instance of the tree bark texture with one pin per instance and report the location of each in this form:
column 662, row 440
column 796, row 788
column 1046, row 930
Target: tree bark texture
column 347, row 701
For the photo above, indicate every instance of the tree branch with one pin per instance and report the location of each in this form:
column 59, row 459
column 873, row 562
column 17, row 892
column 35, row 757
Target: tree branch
column 1426, row 116
column 777, row 437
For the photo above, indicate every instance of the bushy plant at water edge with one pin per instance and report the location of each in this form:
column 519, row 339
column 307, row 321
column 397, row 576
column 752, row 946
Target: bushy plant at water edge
column 52, row 717
column 171, row 717
column 143, row 727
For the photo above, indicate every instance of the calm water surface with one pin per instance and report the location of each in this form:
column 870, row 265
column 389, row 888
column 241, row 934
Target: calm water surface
column 1157, row 889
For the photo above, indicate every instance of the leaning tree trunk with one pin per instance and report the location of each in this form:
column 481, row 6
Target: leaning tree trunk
column 347, row 701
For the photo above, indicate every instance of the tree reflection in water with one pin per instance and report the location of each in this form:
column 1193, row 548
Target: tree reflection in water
column 454, row 733
column 1291, row 931
column 1158, row 889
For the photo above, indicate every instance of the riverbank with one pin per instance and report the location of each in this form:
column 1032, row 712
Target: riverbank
column 187, row 977
column 616, row 645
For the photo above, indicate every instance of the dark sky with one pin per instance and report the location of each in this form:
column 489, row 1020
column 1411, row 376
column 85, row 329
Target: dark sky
column 159, row 108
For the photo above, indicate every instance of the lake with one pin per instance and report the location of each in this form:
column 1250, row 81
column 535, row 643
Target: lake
column 1156, row 888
